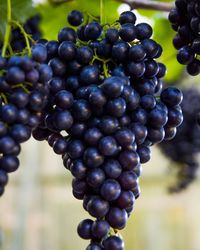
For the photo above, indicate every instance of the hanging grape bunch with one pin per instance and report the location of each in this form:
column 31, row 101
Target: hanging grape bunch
column 17, row 40
column 23, row 95
column 185, row 20
column 103, row 114
column 183, row 150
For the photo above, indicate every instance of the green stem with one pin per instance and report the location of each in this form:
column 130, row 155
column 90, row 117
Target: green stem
column 31, row 39
column 92, row 17
column 20, row 85
column 101, row 11
column 2, row 72
column 29, row 84
column 198, row 57
column 3, row 96
column 10, row 49
column 105, row 70
column 116, row 231
column 8, row 28
column 80, row 43
column 24, row 34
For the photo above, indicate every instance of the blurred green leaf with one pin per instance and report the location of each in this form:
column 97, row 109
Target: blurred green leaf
column 93, row 7
column 54, row 17
column 163, row 34
column 21, row 11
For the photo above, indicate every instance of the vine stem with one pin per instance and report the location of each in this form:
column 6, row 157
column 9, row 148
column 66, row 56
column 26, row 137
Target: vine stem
column 8, row 28
column 138, row 4
column 20, row 85
column 150, row 5
column 105, row 70
column 3, row 96
column 101, row 11
column 102, row 15
column 24, row 34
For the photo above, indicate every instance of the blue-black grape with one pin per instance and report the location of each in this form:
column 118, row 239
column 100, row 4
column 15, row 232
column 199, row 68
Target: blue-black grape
column 184, row 18
column 75, row 18
column 25, row 92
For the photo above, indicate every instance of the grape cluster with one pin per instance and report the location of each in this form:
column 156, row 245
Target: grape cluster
column 104, row 112
column 185, row 147
column 31, row 27
column 185, row 19
column 23, row 96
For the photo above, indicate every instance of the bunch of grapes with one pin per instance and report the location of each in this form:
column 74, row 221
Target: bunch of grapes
column 104, row 112
column 23, row 96
column 31, row 27
column 183, row 150
column 185, row 20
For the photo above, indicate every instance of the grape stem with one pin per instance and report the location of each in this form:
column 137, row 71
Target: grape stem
column 149, row 5
column 20, row 85
column 8, row 29
column 4, row 98
column 101, row 11
column 105, row 70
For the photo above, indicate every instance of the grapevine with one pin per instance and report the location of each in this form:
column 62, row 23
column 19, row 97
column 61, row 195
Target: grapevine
column 104, row 94
column 185, row 18
column 23, row 95
column 95, row 94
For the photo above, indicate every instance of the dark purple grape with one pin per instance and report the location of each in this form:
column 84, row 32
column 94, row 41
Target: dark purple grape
column 67, row 50
column 117, row 217
column 93, row 158
column 129, row 159
column 97, row 207
column 128, row 32
column 92, row 31
column 39, row 53
column 75, row 18
column 95, row 177
column 100, row 229
column 9, row 163
column 110, row 190
column 112, row 168
column 67, row 34
column 108, row 146
column 113, row 243
column 127, row 17
column 84, row 229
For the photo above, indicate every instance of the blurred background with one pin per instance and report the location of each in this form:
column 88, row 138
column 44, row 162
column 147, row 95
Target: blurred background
column 38, row 210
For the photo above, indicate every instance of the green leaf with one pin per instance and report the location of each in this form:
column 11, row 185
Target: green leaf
column 163, row 34
column 21, row 11
column 110, row 8
column 54, row 17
